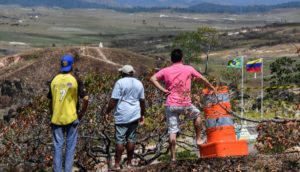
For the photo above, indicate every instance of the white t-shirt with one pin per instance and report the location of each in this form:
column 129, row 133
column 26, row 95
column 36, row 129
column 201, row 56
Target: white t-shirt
column 129, row 91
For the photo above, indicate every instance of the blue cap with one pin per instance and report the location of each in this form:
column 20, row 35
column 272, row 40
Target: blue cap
column 66, row 63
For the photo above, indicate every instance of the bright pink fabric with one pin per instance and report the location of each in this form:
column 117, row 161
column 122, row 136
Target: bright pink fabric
column 177, row 80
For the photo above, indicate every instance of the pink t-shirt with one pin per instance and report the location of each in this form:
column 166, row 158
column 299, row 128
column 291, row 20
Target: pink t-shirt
column 177, row 80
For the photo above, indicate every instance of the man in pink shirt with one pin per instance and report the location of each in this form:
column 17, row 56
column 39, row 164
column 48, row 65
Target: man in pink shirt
column 178, row 78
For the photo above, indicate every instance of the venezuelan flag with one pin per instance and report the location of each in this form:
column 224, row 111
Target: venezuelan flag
column 254, row 66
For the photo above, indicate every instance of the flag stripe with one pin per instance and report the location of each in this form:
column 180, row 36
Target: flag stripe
column 254, row 69
column 255, row 65
column 255, row 61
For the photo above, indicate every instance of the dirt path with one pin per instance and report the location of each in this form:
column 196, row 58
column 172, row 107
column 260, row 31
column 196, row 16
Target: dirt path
column 99, row 55
column 6, row 74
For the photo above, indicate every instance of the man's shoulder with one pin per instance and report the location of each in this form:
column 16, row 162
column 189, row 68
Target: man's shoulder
column 182, row 67
column 166, row 69
column 188, row 66
column 126, row 80
column 63, row 77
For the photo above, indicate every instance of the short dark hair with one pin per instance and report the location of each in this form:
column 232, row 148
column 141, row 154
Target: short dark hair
column 176, row 55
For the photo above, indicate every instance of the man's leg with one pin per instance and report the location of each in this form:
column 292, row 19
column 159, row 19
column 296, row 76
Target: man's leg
column 118, row 156
column 172, row 146
column 130, row 152
column 173, row 128
column 72, row 133
column 194, row 113
column 120, row 141
column 58, row 141
column 131, row 140
column 198, row 128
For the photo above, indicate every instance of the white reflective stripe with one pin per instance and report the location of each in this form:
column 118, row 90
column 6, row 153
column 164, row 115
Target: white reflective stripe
column 211, row 99
column 216, row 122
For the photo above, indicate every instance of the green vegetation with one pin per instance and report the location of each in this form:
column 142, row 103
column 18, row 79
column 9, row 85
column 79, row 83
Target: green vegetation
column 194, row 43
column 285, row 71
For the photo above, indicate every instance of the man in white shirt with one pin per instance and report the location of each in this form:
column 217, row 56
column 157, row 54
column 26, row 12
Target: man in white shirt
column 128, row 100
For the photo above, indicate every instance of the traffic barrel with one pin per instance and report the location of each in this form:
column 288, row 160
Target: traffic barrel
column 220, row 131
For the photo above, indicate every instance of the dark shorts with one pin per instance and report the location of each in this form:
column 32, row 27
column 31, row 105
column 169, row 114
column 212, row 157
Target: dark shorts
column 126, row 133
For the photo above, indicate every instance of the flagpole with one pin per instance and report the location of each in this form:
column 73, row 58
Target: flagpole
column 242, row 93
column 262, row 90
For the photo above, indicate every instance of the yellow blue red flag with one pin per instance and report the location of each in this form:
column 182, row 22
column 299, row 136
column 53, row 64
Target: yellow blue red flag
column 254, row 65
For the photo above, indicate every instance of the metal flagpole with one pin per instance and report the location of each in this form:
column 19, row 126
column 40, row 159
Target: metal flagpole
column 242, row 94
column 262, row 90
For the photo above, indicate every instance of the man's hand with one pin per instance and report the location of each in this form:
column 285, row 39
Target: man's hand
column 142, row 120
column 215, row 91
column 106, row 118
column 167, row 92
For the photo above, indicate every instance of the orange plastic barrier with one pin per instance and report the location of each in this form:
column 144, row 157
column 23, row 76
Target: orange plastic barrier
column 223, row 133
column 216, row 111
column 221, row 138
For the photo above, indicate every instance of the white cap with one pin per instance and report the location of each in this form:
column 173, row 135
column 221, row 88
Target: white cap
column 127, row 69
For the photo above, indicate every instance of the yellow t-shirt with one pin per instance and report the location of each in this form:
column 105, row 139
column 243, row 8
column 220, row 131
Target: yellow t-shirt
column 64, row 90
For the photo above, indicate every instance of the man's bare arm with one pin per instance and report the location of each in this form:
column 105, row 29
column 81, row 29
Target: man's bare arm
column 154, row 80
column 50, row 107
column 206, row 82
column 142, row 104
column 84, row 107
column 111, row 105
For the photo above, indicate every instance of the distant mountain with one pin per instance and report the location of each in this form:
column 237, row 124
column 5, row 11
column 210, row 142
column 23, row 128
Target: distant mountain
column 248, row 2
column 53, row 3
column 159, row 3
column 214, row 8
column 194, row 6
column 138, row 3
column 184, row 3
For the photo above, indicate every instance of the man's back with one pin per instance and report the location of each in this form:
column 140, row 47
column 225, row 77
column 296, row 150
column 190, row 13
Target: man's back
column 64, row 93
column 177, row 78
column 128, row 91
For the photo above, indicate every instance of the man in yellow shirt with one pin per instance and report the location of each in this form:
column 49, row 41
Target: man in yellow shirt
column 64, row 93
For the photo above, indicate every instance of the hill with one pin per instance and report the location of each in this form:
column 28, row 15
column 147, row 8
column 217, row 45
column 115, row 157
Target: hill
column 25, row 76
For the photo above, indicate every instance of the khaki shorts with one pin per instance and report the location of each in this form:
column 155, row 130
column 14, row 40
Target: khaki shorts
column 173, row 112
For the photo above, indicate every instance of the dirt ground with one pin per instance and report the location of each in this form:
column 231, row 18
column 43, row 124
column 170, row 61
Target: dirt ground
column 279, row 162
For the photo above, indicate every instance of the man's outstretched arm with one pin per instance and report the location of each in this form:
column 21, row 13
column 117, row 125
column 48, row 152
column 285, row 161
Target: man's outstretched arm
column 206, row 82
